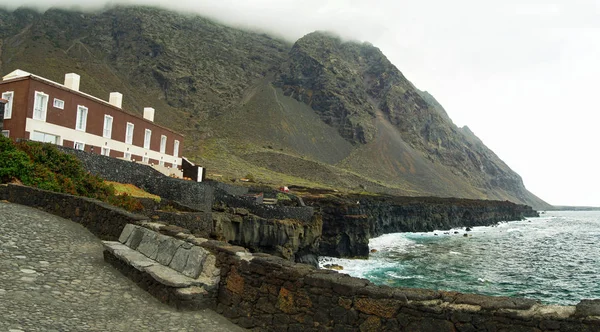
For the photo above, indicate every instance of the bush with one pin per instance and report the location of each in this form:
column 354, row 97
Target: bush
column 14, row 164
column 43, row 166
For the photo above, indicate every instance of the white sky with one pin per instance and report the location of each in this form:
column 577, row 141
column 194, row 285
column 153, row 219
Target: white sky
column 523, row 75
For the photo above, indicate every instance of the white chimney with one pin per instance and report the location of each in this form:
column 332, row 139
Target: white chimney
column 72, row 81
column 149, row 113
column 116, row 99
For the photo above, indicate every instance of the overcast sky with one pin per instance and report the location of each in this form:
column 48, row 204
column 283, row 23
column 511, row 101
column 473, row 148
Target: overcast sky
column 523, row 75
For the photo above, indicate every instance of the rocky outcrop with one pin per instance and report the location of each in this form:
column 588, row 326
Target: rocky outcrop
column 350, row 221
column 293, row 235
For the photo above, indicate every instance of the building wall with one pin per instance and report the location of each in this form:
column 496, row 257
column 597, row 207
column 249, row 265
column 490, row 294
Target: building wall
column 16, row 124
column 62, row 122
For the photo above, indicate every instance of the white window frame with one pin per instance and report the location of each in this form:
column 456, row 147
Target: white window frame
column 176, row 148
column 58, row 103
column 82, row 145
column 105, row 151
column 128, row 137
column 44, row 108
column 147, row 138
column 127, row 155
column 145, row 159
column 163, row 143
column 8, row 95
column 107, row 132
column 81, row 111
column 161, row 162
column 6, row 133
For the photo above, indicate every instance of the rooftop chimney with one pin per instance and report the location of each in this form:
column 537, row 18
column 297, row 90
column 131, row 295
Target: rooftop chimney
column 72, row 81
column 116, row 99
column 149, row 113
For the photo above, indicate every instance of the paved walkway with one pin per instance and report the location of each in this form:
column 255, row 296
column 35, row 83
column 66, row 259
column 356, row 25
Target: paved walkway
column 53, row 278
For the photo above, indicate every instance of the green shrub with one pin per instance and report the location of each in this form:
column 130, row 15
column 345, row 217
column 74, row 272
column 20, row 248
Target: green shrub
column 283, row 197
column 43, row 166
column 14, row 164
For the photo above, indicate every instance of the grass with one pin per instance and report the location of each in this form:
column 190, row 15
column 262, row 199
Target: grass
column 131, row 190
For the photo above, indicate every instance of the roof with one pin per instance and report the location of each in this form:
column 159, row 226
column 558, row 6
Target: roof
column 18, row 75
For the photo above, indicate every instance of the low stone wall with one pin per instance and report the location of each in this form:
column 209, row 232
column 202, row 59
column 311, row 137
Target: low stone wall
column 177, row 272
column 198, row 223
column 102, row 219
column 266, row 293
column 196, row 195
column 302, row 213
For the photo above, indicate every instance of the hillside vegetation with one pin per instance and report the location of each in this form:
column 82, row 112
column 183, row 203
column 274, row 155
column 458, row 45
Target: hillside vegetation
column 320, row 112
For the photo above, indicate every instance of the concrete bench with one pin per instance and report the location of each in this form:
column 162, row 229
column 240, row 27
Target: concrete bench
column 175, row 271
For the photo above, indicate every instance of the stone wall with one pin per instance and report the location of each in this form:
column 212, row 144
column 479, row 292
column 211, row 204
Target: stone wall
column 196, row 195
column 177, row 272
column 265, row 293
column 303, row 213
column 102, row 219
column 198, row 223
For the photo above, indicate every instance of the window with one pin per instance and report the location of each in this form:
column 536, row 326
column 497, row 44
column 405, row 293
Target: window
column 40, row 106
column 6, row 133
column 145, row 159
column 129, row 133
column 79, row 146
column 59, row 104
column 105, row 151
column 127, row 155
column 8, row 107
column 81, row 121
column 147, row 137
column 176, row 148
column 108, row 121
column 44, row 137
column 163, row 143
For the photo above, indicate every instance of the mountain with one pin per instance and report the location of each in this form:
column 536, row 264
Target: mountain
column 319, row 112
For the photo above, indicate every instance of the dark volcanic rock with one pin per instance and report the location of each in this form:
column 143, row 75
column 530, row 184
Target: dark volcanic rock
column 349, row 222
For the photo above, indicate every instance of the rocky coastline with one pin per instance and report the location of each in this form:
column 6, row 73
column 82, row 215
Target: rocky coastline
column 349, row 221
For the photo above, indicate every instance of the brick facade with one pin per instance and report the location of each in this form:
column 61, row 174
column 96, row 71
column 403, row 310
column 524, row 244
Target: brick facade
column 58, row 124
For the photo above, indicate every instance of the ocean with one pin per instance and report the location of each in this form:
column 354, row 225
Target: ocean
column 554, row 258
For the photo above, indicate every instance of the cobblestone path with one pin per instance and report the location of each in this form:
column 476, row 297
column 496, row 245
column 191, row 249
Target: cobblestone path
column 53, row 278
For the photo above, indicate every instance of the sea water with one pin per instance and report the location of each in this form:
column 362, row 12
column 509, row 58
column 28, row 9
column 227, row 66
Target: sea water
column 554, row 258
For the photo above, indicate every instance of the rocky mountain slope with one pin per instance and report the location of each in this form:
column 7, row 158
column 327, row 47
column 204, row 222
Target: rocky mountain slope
column 320, row 112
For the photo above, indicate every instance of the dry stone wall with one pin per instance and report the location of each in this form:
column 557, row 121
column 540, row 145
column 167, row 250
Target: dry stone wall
column 102, row 219
column 196, row 195
column 266, row 293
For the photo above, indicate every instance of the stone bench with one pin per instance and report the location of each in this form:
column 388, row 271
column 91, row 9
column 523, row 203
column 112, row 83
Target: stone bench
column 177, row 272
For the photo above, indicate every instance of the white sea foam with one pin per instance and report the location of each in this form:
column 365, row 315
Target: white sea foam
column 402, row 276
column 356, row 267
column 395, row 242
